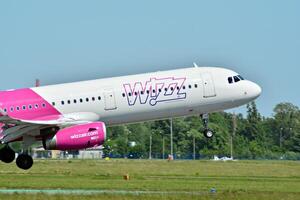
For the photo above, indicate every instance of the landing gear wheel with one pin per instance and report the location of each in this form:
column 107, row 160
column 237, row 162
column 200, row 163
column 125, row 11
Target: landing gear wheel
column 208, row 133
column 7, row 155
column 24, row 161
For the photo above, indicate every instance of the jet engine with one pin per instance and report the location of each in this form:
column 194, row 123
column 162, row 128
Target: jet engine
column 77, row 137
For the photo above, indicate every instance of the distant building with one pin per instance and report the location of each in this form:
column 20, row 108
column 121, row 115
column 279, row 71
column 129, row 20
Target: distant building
column 92, row 153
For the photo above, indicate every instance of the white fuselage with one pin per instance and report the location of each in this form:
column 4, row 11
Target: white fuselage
column 151, row 96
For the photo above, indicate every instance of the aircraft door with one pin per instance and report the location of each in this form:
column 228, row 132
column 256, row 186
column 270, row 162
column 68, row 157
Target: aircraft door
column 109, row 100
column 208, row 85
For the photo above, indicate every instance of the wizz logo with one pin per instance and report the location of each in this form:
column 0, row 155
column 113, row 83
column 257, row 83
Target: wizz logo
column 155, row 90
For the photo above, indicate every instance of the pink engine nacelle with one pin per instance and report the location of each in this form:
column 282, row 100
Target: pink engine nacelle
column 77, row 137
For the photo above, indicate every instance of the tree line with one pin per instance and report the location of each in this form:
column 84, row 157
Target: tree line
column 253, row 136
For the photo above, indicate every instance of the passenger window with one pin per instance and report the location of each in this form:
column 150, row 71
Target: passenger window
column 11, row 109
column 99, row 98
column 236, row 79
column 69, row 101
column 148, row 92
column 44, row 105
column 178, row 88
column 230, row 80
column 5, row 110
column 196, row 85
column 80, row 100
column 93, row 98
column 159, row 90
column 24, row 107
column 75, row 101
column 183, row 87
column 18, row 108
column 129, row 94
column 123, row 94
column 87, row 99
column 190, row 86
column 172, row 88
column 135, row 93
column 30, row 106
column 36, row 105
column 166, row 89
column 53, row 103
column 142, row 92
column 62, row 102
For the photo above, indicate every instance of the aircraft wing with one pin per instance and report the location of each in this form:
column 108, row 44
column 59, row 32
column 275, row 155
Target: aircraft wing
column 59, row 120
column 64, row 120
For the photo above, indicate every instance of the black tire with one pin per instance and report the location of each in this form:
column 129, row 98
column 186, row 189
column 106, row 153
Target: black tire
column 7, row 155
column 208, row 133
column 24, row 161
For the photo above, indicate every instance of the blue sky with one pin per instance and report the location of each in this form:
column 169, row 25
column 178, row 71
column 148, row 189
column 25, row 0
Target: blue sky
column 64, row 41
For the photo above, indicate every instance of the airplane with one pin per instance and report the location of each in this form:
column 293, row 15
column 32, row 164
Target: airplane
column 74, row 116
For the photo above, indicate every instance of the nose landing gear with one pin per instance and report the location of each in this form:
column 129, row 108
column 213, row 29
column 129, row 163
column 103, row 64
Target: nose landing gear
column 208, row 133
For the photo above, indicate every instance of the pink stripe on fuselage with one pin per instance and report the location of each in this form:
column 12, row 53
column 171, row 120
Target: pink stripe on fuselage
column 40, row 108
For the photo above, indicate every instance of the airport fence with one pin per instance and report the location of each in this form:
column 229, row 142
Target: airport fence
column 98, row 154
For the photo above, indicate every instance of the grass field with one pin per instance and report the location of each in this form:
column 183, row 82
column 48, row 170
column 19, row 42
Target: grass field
column 155, row 179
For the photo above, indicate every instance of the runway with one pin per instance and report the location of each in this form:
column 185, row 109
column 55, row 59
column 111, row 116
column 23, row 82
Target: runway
column 93, row 192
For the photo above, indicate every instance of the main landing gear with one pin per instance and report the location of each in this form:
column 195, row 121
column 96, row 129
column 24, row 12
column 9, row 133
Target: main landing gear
column 23, row 161
column 208, row 133
column 7, row 155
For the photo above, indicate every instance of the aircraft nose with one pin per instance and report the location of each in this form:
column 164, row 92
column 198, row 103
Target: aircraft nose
column 254, row 90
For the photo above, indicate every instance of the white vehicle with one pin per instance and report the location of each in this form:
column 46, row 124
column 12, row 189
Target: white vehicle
column 75, row 115
column 216, row 158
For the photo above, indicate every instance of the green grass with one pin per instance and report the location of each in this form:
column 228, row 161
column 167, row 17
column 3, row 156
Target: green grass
column 233, row 180
column 222, row 196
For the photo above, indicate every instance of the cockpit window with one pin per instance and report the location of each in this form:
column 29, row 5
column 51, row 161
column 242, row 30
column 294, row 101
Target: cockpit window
column 236, row 79
column 241, row 77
